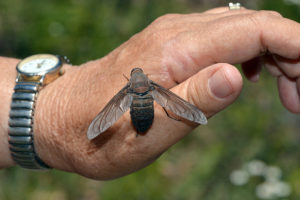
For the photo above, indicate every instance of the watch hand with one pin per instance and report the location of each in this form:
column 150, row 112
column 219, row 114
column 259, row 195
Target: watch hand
column 39, row 65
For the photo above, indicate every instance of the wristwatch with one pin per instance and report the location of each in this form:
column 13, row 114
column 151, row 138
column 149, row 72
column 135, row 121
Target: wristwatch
column 34, row 72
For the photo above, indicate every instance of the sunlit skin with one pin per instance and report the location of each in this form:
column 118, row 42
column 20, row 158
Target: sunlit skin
column 191, row 54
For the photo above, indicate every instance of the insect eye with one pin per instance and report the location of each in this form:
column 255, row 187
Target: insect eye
column 132, row 71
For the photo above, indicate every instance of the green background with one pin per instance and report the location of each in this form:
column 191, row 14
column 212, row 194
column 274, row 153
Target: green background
column 198, row 167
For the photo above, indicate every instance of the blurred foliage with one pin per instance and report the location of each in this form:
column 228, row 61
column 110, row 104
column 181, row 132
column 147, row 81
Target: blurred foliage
column 198, row 167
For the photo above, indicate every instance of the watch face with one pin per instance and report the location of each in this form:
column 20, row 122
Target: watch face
column 39, row 64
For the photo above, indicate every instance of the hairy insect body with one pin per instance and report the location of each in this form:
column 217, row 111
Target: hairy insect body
column 142, row 112
column 141, row 109
column 138, row 95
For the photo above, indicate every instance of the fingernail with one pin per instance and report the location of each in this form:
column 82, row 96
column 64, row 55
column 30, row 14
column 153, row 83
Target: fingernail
column 219, row 84
column 254, row 78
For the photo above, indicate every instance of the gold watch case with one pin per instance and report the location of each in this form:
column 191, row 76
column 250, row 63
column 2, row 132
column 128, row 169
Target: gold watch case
column 42, row 68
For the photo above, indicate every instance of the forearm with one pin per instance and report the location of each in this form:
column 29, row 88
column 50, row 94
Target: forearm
column 7, row 81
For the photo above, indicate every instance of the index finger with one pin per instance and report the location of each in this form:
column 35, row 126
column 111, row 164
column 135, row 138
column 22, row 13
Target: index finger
column 222, row 9
column 233, row 39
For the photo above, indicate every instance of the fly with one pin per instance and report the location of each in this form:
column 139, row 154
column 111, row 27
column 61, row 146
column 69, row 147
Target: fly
column 138, row 95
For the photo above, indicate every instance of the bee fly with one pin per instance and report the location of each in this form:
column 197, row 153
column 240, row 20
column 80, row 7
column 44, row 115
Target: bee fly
column 138, row 95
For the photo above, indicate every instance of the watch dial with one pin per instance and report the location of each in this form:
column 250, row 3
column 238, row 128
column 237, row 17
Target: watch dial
column 38, row 64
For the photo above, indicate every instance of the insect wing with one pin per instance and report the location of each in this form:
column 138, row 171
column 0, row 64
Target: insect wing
column 115, row 108
column 177, row 105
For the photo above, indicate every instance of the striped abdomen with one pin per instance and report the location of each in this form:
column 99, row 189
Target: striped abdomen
column 142, row 112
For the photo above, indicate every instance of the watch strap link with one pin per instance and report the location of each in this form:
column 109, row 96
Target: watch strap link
column 21, row 138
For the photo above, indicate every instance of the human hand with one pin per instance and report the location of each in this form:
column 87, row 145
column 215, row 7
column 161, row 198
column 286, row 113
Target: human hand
column 176, row 51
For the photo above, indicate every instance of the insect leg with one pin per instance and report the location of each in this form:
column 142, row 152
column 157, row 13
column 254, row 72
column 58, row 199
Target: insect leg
column 126, row 77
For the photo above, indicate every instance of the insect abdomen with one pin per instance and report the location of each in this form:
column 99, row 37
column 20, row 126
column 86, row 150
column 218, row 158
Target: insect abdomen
column 142, row 112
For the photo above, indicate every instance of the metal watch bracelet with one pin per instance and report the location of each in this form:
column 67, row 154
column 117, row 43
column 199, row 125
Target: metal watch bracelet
column 21, row 139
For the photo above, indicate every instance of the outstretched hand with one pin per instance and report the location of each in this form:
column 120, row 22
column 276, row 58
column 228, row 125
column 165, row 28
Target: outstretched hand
column 187, row 53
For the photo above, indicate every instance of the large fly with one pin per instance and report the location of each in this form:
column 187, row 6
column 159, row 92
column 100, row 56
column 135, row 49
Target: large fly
column 138, row 95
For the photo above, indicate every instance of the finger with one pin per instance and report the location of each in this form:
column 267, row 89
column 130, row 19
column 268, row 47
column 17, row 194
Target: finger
column 210, row 16
column 281, row 36
column 271, row 66
column 252, row 68
column 290, row 67
column 258, row 32
column 192, row 21
column 212, row 89
column 222, row 9
column 289, row 92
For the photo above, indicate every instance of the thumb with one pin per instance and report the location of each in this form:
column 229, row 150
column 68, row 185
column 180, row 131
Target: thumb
column 212, row 89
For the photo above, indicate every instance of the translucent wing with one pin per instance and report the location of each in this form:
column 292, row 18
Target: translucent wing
column 115, row 108
column 177, row 105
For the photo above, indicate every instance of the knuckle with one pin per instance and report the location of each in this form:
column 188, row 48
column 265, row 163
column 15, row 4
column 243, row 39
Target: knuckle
column 266, row 15
column 165, row 19
column 273, row 13
column 291, row 71
column 195, row 94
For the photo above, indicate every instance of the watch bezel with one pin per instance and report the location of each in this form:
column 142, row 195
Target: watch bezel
column 41, row 73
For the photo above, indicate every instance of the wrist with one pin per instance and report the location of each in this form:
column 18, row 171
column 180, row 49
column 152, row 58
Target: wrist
column 64, row 110
column 48, row 132
column 62, row 116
